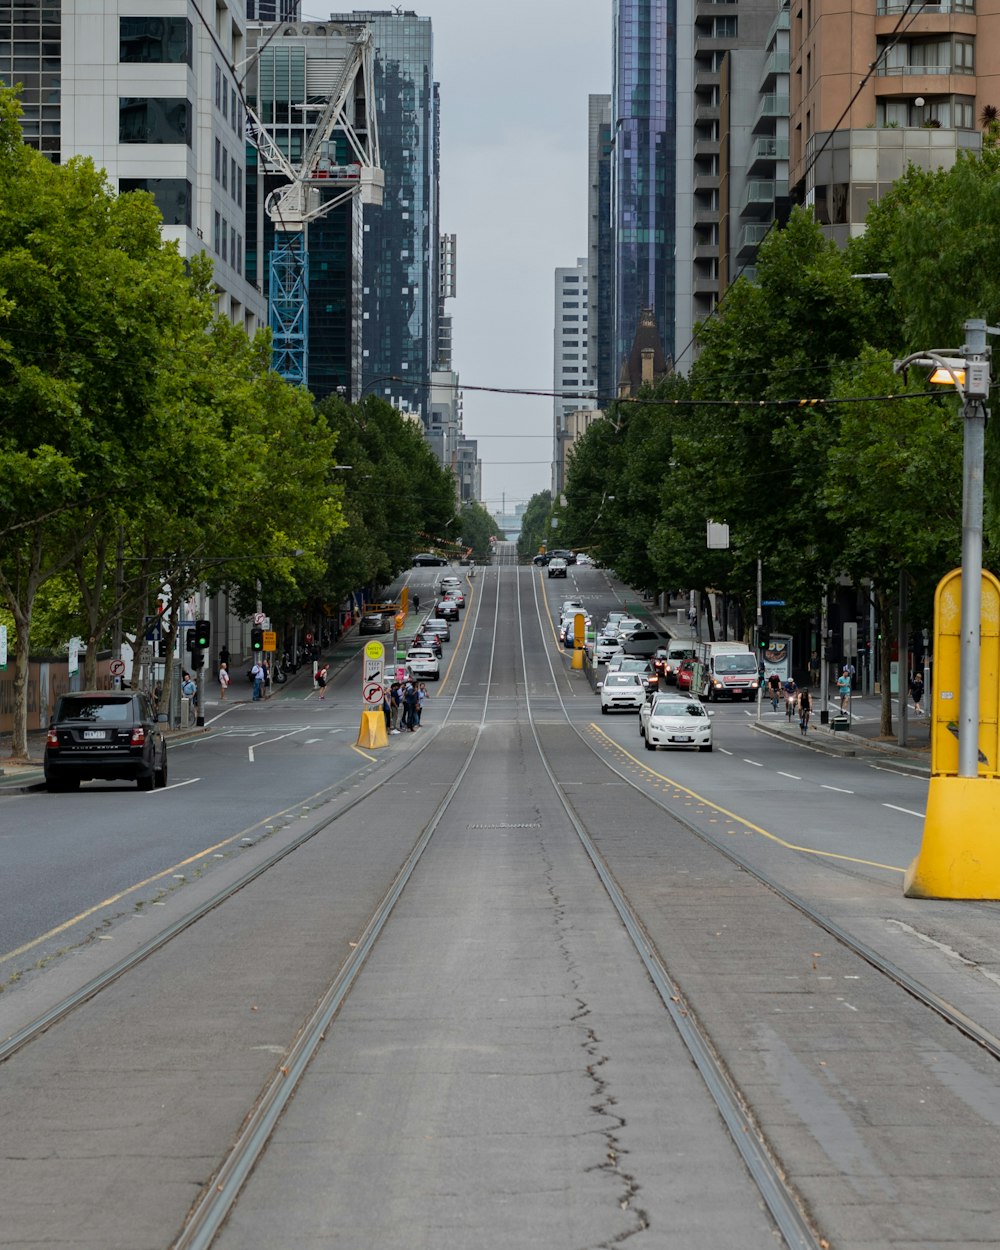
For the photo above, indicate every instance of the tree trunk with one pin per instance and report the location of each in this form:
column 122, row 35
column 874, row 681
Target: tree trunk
column 884, row 610
column 22, row 668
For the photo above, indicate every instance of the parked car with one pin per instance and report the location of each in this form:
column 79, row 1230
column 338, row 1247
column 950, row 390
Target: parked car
column 568, row 556
column 427, row 560
column 112, row 735
column 375, row 623
column 671, row 721
column 542, row 558
column 437, row 625
column 557, row 567
column 423, row 664
column 622, row 692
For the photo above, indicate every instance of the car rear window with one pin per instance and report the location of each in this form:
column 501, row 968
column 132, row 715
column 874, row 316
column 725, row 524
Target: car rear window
column 114, row 710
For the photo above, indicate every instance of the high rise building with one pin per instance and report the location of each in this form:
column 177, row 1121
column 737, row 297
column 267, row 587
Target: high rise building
column 877, row 87
column 600, row 247
column 644, row 86
column 400, row 250
column 152, row 99
column 572, row 380
column 719, row 64
column 447, row 289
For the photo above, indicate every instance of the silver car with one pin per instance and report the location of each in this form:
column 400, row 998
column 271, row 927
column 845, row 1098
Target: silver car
column 674, row 721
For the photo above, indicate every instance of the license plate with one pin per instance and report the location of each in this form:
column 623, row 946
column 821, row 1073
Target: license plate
column 681, row 738
column 93, row 735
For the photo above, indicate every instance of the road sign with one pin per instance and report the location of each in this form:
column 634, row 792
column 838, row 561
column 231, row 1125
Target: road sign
column 772, row 603
column 117, row 668
column 145, row 656
column 259, row 618
column 270, row 640
column 374, row 651
column 3, row 646
column 372, row 692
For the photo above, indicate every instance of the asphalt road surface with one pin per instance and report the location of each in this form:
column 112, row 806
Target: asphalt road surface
column 503, row 929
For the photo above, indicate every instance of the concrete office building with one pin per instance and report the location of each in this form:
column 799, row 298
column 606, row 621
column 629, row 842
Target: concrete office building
column 273, row 10
column 644, row 168
column 152, row 101
column 876, row 87
column 572, row 380
column 400, row 250
column 716, row 124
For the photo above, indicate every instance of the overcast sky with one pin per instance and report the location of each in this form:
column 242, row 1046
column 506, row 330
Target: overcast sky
column 515, row 76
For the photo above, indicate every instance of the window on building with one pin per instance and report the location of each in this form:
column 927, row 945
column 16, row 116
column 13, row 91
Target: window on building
column 571, row 304
column 154, row 40
column 225, row 170
column 570, row 317
column 218, row 86
column 724, row 28
column 218, row 160
column 239, row 187
column 172, row 196
column 154, row 120
column 225, row 239
column 217, row 234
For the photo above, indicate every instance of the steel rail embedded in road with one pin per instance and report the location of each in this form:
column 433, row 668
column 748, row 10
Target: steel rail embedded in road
column 781, row 1201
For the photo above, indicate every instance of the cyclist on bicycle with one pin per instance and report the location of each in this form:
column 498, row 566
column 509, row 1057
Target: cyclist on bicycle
column 774, row 685
column 805, row 708
column 791, row 690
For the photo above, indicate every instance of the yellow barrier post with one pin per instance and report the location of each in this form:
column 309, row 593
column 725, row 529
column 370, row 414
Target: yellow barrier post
column 372, row 732
column 959, row 854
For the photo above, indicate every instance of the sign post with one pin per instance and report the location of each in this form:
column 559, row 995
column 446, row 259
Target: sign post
column 372, row 732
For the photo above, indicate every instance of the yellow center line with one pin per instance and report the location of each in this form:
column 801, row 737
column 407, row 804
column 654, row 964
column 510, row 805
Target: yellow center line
column 139, row 885
column 771, row 837
column 458, row 641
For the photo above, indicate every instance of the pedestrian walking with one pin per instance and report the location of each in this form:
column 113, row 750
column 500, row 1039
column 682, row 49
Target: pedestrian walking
column 774, row 685
column 321, row 673
column 223, row 679
column 386, row 708
column 805, row 704
column 814, row 669
column 791, row 691
column 189, row 689
column 844, row 688
column 416, row 604
column 396, row 706
column 224, row 657
column 917, row 693
column 257, row 677
column 421, row 700
column 410, row 703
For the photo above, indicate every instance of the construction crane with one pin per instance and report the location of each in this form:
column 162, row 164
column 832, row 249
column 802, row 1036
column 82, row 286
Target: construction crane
column 346, row 115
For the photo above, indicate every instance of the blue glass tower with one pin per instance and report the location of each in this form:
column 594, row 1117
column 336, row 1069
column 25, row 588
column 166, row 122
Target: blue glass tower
column 643, row 168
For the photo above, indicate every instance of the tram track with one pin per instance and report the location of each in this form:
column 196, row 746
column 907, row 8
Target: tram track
column 221, row 1193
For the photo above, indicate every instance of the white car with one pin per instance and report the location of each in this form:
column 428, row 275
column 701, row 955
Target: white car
column 423, row 664
column 557, row 567
column 456, row 593
column 449, row 583
column 606, row 647
column 628, row 625
column 572, row 605
column 670, row 720
column 622, row 692
column 583, row 558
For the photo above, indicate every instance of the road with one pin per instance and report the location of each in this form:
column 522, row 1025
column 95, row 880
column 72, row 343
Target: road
column 472, row 908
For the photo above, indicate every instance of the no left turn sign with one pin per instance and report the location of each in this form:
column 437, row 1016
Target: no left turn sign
column 372, row 693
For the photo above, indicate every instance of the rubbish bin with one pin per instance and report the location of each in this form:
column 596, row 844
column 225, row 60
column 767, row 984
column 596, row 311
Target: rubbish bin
column 840, row 723
column 824, row 717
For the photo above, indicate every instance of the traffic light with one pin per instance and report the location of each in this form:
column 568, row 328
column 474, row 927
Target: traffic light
column 256, row 640
column 197, row 659
column 189, row 640
column 162, row 648
column 202, row 634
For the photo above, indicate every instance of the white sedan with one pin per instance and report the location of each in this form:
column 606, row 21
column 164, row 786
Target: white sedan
column 622, row 692
column 423, row 664
column 672, row 721
column 606, row 646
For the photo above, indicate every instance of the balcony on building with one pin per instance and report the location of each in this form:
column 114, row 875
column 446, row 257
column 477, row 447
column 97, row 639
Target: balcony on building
column 752, row 235
column 765, row 152
column 705, row 184
column 706, row 251
column 706, row 11
column 776, row 66
column 760, row 196
column 705, row 149
column 705, row 112
column 771, row 107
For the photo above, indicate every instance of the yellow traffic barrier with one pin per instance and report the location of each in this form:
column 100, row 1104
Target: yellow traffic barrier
column 372, row 732
column 960, row 851
column 577, row 661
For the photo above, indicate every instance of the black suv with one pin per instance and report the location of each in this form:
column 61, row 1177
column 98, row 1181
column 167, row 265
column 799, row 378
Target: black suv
column 111, row 734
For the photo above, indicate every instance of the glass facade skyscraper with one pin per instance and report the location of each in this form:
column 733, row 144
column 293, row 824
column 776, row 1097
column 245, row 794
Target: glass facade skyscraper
column 643, row 168
column 399, row 334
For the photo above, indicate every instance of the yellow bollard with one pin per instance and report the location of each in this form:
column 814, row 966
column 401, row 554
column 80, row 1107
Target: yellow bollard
column 960, row 852
column 577, row 661
column 372, row 731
